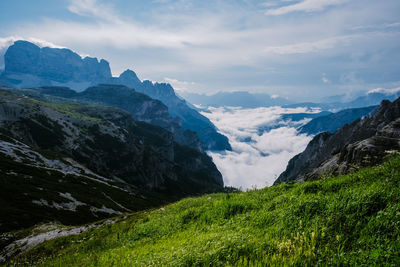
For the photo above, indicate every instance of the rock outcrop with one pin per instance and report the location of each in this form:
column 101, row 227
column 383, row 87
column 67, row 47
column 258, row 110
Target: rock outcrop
column 364, row 142
column 56, row 64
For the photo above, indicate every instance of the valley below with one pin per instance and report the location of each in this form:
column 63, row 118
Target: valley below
column 263, row 141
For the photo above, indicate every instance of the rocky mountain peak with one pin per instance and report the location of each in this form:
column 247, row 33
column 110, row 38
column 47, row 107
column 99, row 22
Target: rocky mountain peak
column 128, row 73
column 56, row 64
column 130, row 77
column 26, row 52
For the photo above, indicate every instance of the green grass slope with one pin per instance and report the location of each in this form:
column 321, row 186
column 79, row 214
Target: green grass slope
column 352, row 219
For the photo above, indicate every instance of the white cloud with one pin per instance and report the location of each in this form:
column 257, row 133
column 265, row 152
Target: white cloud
column 7, row 41
column 256, row 159
column 314, row 46
column 180, row 86
column 324, row 79
column 274, row 96
column 305, row 6
column 94, row 8
column 385, row 91
column 124, row 35
column 202, row 40
column 393, row 25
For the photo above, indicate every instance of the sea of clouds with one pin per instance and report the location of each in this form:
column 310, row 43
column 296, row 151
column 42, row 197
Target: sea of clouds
column 262, row 143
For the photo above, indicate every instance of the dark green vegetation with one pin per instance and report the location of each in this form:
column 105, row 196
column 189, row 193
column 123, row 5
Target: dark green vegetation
column 73, row 164
column 353, row 219
column 21, row 184
column 140, row 106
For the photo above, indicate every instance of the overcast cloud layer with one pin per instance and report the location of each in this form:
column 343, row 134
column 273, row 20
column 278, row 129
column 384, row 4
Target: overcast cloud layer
column 300, row 49
column 256, row 158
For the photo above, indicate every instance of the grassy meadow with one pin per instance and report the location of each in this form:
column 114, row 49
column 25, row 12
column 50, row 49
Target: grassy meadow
column 352, row 219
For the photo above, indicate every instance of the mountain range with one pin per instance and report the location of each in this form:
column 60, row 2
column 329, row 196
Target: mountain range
column 235, row 99
column 369, row 99
column 246, row 99
column 27, row 66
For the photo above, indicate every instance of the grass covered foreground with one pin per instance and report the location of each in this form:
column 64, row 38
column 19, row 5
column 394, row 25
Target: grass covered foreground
column 352, row 219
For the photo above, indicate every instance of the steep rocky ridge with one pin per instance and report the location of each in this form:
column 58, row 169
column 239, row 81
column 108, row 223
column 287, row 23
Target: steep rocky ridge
column 27, row 65
column 191, row 119
column 140, row 106
column 48, row 149
column 364, row 142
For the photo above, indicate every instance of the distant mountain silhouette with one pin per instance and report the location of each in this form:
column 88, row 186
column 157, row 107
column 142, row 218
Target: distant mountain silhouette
column 369, row 99
column 27, row 65
column 235, row 99
column 332, row 122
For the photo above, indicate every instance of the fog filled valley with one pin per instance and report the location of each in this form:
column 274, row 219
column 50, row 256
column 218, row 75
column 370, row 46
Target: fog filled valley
column 199, row 133
column 262, row 143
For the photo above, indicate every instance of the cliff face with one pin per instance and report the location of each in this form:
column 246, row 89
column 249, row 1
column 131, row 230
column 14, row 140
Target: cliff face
column 364, row 142
column 60, row 65
column 74, row 163
column 107, row 141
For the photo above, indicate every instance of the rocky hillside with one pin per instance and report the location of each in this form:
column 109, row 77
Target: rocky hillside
column 140, row 106
column 27, row 65
column 364, row 142
column 333, row 122
column 52, row 154
column 191, row 119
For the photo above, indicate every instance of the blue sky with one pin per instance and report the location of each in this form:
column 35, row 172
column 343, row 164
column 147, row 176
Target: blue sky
column 303, row 49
